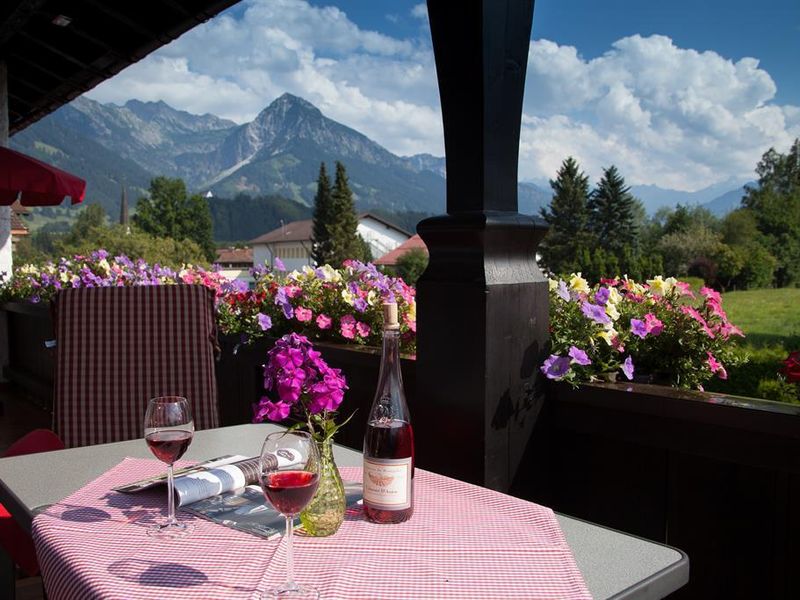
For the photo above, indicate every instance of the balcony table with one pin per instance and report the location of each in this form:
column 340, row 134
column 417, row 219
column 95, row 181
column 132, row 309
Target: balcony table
column 613, row 564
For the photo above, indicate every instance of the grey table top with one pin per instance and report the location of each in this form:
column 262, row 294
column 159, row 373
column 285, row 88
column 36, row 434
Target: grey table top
column 614, row 564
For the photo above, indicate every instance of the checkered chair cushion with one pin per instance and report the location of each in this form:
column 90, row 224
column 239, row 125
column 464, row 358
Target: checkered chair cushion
column 118, row 347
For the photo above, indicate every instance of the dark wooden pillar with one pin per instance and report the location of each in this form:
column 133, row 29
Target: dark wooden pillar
column 482, row 302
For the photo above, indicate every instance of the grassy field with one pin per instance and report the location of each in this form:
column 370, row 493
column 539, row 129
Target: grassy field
column 768, row 317
column 771, row 320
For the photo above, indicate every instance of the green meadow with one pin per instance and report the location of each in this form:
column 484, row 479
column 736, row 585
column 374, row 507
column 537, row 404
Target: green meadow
column 770, row 319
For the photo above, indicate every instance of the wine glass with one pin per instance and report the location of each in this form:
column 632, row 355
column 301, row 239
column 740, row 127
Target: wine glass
column 289, row 478
column 168, row 431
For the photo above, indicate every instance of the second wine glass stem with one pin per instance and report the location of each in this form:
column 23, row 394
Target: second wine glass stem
column 290, row 584
column 171, row 520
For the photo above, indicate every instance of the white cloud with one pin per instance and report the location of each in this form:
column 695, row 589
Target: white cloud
column 664, row 115
column 420, row 11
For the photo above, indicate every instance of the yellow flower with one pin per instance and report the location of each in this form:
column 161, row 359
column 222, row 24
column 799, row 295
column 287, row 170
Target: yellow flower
column 348, row 297
column 372, row 296
column 579, row 284
column 412, row 310
column 611, row 311
column 103, row 264
column 608, row 335
column 553, row 284
column 330, row 273
column 659, row 286
column 64, row 277
column 614, row 297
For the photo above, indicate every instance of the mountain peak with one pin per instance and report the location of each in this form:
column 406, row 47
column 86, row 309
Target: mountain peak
column 288, row 106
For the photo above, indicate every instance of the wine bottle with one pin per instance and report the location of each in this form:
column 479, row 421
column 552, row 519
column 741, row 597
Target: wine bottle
column 389, row 439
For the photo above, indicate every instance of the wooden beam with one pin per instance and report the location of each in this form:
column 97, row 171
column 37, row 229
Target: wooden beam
column 482, row 301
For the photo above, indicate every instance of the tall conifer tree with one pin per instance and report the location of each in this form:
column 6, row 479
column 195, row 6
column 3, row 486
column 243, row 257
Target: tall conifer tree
column 613, row 213
column 346, row 243
column 568, row 217
column 324, row 217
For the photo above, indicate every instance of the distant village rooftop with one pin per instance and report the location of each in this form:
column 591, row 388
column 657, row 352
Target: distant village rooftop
column 390, row 258
column 235, row 257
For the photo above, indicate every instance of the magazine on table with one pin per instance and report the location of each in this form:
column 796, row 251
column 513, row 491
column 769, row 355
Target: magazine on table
column 245, row 509
column 226, row 490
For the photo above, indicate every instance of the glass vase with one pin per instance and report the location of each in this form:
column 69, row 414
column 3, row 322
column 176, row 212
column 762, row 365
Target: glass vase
column 324, row 514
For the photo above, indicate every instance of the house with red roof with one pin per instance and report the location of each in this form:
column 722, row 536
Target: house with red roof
column 390, row 258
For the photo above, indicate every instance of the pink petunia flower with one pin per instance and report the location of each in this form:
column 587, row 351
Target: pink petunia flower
column 293, row 291
column 363, row 329
column 347, row 327
column 685, row 289
column 303, row 314
column 715, row 366
column 324, row 321
column 713, row 296
column 653, row 324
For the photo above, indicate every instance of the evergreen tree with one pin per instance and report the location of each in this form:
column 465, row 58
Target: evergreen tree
column 565, row 247
column 171, row 212
column 345, row 241
column 324, row 217
column 613, row 213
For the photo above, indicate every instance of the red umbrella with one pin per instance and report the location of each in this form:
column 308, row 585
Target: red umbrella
column 34, row 182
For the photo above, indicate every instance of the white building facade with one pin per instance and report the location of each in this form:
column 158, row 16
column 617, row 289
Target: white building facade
column 292, row 242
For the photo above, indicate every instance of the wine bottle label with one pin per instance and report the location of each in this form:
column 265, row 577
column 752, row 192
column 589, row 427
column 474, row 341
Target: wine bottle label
column 387, row 483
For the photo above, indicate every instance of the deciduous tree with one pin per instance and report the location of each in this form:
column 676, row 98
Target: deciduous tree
column 170, row 212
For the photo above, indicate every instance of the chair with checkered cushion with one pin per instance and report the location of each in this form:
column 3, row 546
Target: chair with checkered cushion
column 118, row 347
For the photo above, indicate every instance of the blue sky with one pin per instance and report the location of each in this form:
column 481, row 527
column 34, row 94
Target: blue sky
column 768, row 29
column 677, row 94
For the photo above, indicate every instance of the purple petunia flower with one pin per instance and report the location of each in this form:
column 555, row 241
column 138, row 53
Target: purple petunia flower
column 639, row 328
column 555, row 367
column 279, row 266
column 264, row 321
column 579, row 357
column 627, row 367
column 562, row 291
column 595, row 313
column 360, row 305
column 282, row 300
column 601, row 297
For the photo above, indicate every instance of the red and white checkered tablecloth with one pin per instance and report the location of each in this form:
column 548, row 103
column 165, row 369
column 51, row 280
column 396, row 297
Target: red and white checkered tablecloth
column 463, row 541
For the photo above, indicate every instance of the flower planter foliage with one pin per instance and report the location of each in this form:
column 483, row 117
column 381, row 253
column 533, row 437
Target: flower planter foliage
column 338, row 305
column 660, row 328
column 335, row 305
column 36, row 284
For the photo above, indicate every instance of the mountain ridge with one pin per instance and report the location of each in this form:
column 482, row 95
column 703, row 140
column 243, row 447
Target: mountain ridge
column 278, row 153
